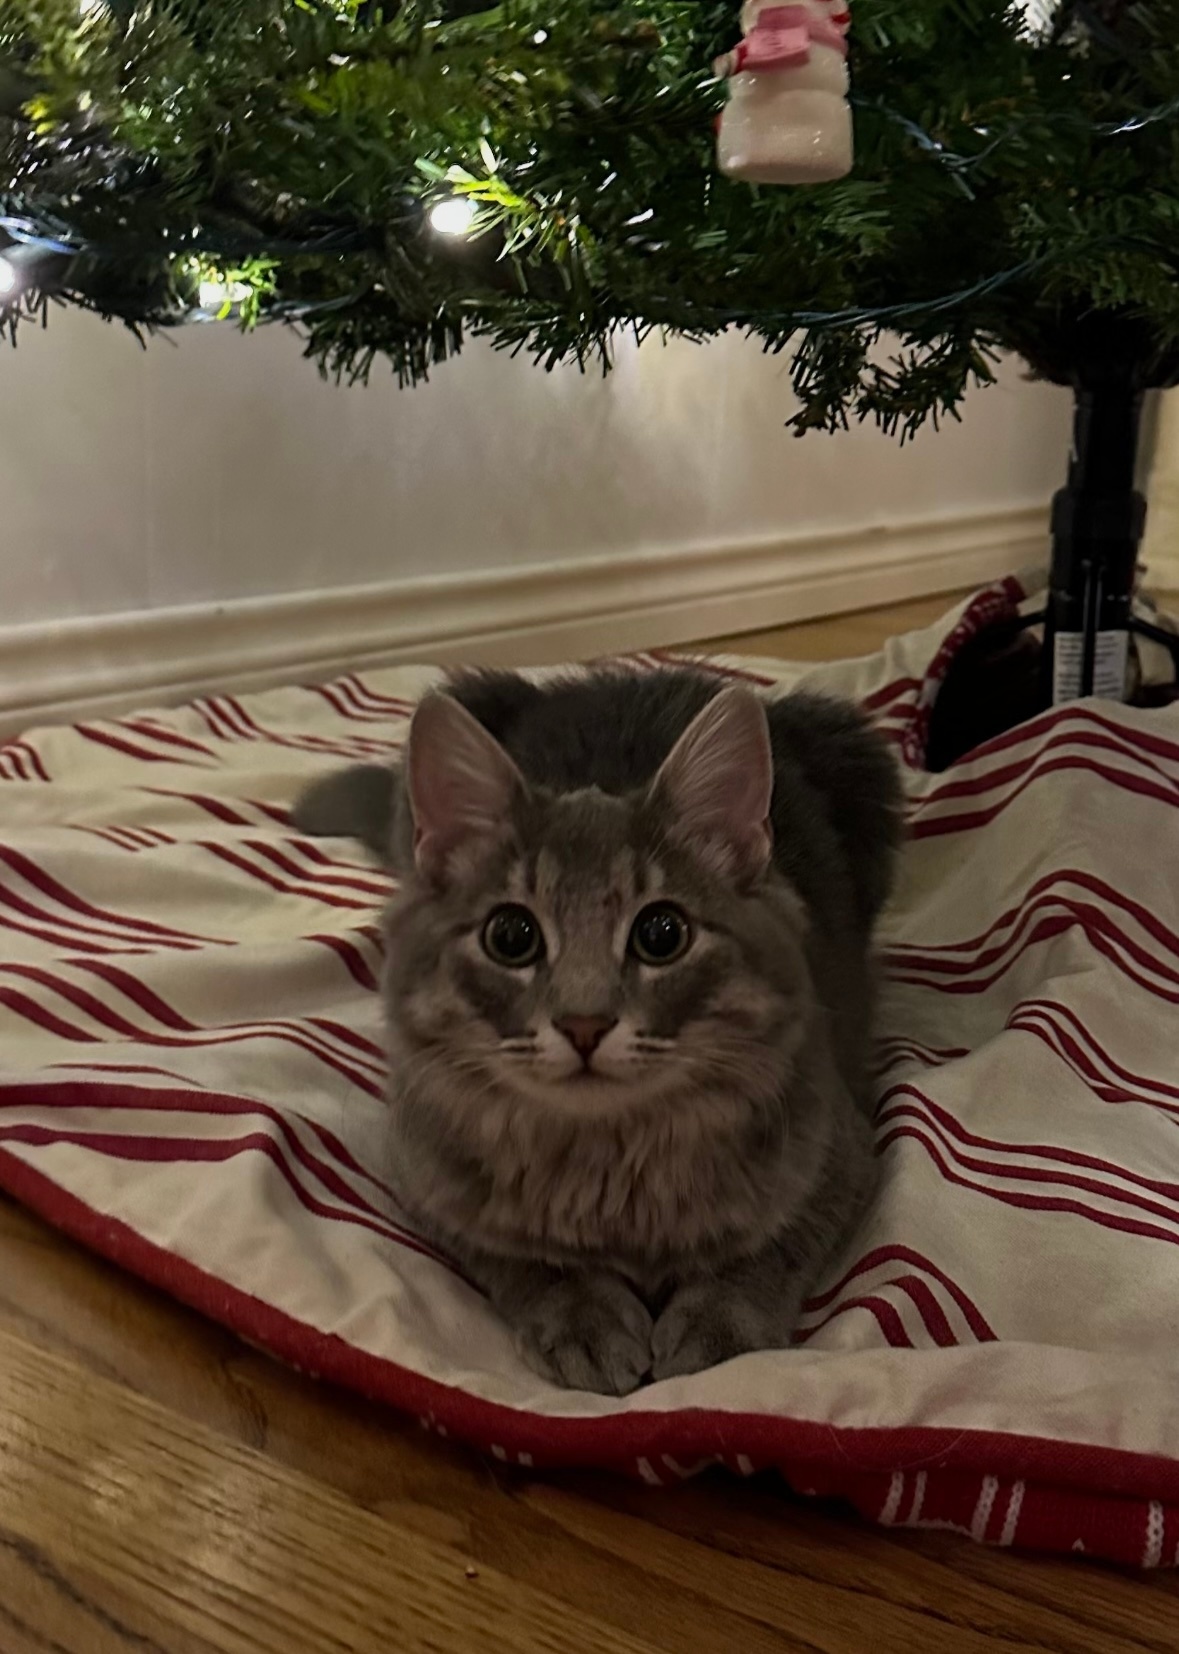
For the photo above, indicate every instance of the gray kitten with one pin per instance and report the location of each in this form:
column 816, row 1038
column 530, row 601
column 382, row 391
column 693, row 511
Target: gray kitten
column 629, row 992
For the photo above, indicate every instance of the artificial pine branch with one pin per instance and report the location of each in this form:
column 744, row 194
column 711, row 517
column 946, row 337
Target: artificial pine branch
column 1008, row 183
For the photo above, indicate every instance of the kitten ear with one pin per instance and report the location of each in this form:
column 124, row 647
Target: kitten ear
column 462, row 784
column 718, row 781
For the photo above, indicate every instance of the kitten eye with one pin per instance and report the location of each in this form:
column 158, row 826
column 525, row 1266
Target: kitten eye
column 660, row 934
column 513, row 937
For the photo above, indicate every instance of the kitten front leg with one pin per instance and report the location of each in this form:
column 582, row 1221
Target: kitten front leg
column 753, row 1306
column 584, row 1329
column 754, row 1303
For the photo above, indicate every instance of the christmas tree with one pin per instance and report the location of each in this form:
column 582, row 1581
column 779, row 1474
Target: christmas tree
column 392, row 177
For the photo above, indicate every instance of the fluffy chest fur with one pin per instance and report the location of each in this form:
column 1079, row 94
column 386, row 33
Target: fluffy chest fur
column 705, row 1181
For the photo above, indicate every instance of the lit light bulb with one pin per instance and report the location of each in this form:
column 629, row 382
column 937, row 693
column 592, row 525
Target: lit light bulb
column 8, row 276
column 454, row 216
column 214, row 294
column 1038, row 16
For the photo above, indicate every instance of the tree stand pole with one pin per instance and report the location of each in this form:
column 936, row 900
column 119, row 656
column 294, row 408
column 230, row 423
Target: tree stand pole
column 1003, row 676
column 1097, row 523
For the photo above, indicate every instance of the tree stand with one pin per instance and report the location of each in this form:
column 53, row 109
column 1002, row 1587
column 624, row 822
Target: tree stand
column 1006, row 674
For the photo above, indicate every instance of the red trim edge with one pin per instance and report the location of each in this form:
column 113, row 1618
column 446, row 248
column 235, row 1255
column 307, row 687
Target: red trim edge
column 848, row 1462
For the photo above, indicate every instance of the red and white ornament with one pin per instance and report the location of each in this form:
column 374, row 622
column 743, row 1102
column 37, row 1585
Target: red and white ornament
column 787, row 120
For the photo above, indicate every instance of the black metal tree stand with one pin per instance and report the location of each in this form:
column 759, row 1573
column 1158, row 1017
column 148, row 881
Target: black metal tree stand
column 1006, row 674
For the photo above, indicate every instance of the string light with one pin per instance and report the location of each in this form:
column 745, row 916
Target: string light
column 215, row 294
column 1038, row 18
column 959, row 164
column 18, row 266
column 453, row 216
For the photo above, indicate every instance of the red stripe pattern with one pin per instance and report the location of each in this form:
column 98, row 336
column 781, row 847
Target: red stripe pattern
column 192, row 1081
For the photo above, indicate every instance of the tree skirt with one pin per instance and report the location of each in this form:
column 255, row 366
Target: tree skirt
column 191, row 1081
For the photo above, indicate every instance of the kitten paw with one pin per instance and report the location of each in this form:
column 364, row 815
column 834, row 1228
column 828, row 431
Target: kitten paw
column 706, row 1324
column 588, row 1333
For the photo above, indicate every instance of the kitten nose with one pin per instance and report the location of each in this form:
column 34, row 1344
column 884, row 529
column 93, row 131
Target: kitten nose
column 585, row 1034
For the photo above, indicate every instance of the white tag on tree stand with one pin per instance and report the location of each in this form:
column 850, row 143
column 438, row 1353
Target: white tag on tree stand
column 1110, row 660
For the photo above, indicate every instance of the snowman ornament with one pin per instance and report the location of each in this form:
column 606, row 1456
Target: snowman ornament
column 787, row 119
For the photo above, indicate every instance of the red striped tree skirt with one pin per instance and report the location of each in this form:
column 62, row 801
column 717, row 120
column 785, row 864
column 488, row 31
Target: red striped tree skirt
column 191, row 1080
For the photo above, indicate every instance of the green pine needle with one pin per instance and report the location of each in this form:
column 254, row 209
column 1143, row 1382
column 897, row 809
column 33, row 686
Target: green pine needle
column 1007, row 186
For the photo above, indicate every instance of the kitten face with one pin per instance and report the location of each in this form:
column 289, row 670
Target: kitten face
column 585, row 960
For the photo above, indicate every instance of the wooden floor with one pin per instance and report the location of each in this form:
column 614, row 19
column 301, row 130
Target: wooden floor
column 840, row 638
column 164, row 1490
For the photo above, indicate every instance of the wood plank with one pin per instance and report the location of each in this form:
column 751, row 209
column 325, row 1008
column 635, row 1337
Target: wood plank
column 711, row 1565
column 842, row 637
column 140, row 1525
column 839, row 637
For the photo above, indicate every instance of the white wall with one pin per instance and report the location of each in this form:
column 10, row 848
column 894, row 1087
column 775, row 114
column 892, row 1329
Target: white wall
column 212, row 467
column 209, row 514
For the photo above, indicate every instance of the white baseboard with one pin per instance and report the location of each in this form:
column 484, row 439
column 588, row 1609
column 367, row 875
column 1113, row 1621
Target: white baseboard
column 547, row 612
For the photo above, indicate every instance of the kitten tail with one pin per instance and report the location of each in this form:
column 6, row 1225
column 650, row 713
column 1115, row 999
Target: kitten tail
column 363, row 802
